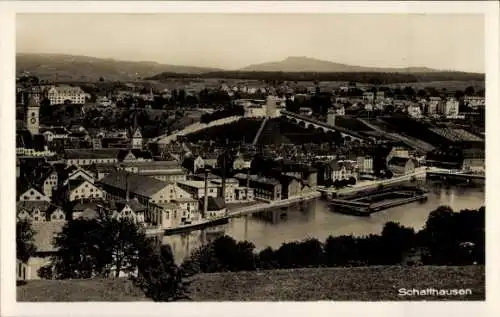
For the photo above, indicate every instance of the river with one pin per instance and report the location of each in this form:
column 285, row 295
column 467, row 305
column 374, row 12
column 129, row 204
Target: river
column 314, row 219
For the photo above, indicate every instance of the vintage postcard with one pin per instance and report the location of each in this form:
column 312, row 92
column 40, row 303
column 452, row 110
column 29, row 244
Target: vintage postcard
column 203, row 155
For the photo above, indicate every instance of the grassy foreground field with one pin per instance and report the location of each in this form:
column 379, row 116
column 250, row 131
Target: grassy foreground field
column 102, row 290
column 339, row 284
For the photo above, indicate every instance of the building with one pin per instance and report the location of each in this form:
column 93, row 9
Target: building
column 291, row 186
column 414, row 111
column 169, row 171
column 267, row 189
column 134, row 155
column 474, row 102
column 432, row 106
column 83, row 189
column 364, row 164
column 449, row 109
column 196, row 189
column 130, row 209
column 66, row 94
column 150, row 192
column 305, row 111
column 330, row 117
column 368, row 96
column 473, row 161
column 242, row 162
column 137, row 139
column 215, row 208
column 45, row 232
column 342, row 170
column 402, row 165
column 85, row 157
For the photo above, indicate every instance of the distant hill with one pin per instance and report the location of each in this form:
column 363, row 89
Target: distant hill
column 307, row 64
column 83, row 68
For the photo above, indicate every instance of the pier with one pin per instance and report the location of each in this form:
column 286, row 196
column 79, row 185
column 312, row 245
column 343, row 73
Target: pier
column 367, row 203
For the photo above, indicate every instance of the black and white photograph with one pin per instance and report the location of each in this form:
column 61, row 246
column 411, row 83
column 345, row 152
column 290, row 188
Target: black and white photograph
column 249, row 157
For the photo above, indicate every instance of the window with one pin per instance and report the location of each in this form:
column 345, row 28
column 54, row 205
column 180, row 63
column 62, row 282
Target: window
column 38, row 197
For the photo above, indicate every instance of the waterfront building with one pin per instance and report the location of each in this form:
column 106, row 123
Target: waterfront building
column 402, row 165
column 130, row 209
column 150, row 192
column 265, row 188
column 473, row 160
column 215, row 207
column 197, row 188
column 365, row 164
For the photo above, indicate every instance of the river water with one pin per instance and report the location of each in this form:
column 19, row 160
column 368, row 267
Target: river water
column 315, row 219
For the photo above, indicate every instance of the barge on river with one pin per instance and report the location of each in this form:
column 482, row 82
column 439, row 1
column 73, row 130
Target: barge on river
column 364, row 204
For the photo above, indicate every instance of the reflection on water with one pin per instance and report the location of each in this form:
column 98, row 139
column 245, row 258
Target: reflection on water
column 315, row 219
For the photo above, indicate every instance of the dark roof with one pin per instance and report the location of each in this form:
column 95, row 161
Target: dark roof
column 214, row 203
column 473, row 153
column 132, row 203
column 24, row 139
column 91, row 153
column 74, row 183
column 138, row 184
column 29, row 206
column 398, row 161
column 172, row 164
column 104, row 168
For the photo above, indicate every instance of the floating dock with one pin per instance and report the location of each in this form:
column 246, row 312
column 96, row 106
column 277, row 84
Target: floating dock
column 367, row 203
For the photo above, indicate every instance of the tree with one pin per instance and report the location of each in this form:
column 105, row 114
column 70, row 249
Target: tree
column 469, row 91
column 25, row 246
column 122, row 240
column 397, row 240
column 104, row 247
column 158, row 275
column 352, row 180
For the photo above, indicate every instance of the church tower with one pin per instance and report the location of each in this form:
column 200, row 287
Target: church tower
column 33, row 116
column 136, row 134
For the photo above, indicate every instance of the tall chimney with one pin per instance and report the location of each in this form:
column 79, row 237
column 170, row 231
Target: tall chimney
column 127, row 191
column 248, row 183
column 205, row 201
column 223, row 187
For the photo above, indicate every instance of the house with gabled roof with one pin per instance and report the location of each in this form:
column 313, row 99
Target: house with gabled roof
column 30, row 192
column 45, row 232
column 149, row 191
column 131, row 209
column 80, row 173
column 83, row 189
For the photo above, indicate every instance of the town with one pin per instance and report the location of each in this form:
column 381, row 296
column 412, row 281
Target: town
column 174, row 158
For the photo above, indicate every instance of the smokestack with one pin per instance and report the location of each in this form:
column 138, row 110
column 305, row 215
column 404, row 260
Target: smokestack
column 127, row 191
column 223, row 189
column 248, row 183
column 205, row 201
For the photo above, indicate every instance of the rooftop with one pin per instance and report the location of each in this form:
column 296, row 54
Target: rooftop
column 138, row 184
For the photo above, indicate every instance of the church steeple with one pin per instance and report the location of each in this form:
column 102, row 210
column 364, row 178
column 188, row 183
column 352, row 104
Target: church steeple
column 33, row 115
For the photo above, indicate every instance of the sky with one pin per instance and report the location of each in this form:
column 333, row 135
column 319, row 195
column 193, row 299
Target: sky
column 232, row 41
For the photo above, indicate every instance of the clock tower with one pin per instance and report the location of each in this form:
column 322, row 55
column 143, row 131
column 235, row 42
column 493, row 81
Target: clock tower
column 33, row 116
